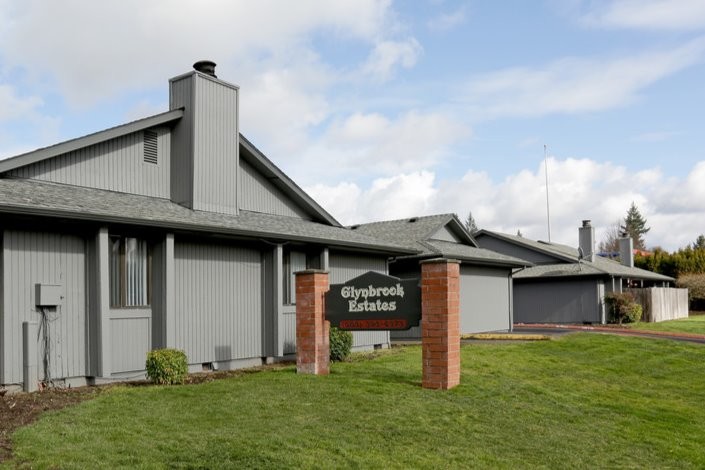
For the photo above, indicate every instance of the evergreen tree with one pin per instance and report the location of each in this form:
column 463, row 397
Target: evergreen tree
column 699, row 242
column 470, row 223
column 635, row 227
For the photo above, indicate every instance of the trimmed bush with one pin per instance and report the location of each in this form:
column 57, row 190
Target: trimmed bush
column 340, row 344
column 695, row 283
column 623, row 307
column 166, row 366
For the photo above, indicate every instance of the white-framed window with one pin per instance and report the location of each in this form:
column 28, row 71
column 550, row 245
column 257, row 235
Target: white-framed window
column 130, row 269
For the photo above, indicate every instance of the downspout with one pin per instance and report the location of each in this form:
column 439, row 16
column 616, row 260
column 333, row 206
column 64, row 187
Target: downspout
column 510, row 295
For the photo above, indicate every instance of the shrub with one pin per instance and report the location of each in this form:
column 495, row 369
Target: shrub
column 623, row 307
column 166, row 366
column 340, row 344
column 695, row 283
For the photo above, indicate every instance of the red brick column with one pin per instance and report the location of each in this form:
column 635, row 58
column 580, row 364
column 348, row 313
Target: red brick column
column 312, row 343
column 440, row 323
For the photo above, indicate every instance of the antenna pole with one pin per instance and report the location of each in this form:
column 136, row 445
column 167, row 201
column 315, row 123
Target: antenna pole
column 548, row 212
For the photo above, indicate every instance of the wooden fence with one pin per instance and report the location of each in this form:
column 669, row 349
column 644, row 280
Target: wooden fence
column 662, row 303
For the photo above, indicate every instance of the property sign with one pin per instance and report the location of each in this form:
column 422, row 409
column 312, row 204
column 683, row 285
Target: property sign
column 374, row 301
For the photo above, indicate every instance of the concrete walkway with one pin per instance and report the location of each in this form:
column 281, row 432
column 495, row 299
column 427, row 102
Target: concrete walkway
column 549, row 328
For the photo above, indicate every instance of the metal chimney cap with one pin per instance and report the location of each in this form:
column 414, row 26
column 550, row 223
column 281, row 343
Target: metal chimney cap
column 587, row 223
column 205, row 66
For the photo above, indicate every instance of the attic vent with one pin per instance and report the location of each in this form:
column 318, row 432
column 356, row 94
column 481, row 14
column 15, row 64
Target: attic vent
column 150, row 147
column 413, row 219
column 354, row 227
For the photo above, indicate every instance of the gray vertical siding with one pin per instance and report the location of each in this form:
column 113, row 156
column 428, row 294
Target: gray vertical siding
column 216, row 147
column 344, row 267
column 115, row 165
column 484, row 299
column 30, row 258
column 181, row 177
column 446, row 235
column 130, row 339
column 257, row 194
column 557, row 302
column 204, row 172
column 218, row 305
column 288, row 329
column 510, row 249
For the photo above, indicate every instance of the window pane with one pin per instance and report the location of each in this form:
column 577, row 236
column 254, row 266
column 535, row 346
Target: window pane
column 286, row 278
column 298, row 263
column 136, row 272
column 115, row 272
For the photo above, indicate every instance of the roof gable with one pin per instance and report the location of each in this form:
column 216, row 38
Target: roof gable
column 422, row 234
column 567, row 260
column 300, row 202
column 88, row 140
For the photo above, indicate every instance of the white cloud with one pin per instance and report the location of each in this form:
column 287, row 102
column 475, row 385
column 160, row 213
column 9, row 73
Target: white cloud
column 388, row 55
column 14, row 107
column 447, row 21
column 579, row 189
column 396, row 197
column 576, row 85
column 648, row 14
column 91, row 50
column 373, row 145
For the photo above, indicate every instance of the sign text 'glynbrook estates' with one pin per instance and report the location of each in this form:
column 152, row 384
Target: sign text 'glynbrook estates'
column 374, row 301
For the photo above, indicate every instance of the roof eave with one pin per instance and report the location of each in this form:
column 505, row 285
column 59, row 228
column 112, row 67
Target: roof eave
column 83, row 216
column 283, row 182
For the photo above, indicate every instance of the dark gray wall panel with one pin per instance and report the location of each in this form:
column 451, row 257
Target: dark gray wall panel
column 557, row 302
column 257, row 194
column 115, row 165
column 181, row 95
column 46, row 258
column 218, row 302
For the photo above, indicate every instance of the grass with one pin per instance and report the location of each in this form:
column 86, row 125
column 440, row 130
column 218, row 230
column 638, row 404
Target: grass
column 692, row 324
column 581, row 401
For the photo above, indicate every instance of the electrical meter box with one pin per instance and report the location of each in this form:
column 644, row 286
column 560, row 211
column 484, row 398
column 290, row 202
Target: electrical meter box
column 47, row 295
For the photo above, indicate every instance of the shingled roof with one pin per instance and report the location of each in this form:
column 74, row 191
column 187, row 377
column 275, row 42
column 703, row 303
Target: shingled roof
column 417, row 233
column 32, row 197
column 569, row 262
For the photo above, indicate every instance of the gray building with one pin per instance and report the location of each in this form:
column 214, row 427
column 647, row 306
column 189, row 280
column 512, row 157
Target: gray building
column 567, row 285
column 171, row 231
column 485, row 276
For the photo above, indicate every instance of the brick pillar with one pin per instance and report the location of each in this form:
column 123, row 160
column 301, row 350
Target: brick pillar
column 312, row 343
column 440, row 323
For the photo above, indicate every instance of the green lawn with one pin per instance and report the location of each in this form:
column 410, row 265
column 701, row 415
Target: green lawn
column 582, row 401
column 692, row 324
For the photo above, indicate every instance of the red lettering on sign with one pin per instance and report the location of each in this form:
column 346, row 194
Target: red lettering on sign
column 398, row 324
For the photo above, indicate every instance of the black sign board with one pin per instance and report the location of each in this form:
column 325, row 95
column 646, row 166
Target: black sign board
column 374, row 301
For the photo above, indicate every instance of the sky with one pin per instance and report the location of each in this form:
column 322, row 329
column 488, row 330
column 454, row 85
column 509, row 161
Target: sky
column 384, row 110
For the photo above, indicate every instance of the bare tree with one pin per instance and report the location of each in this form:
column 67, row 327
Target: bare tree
column 610, row 242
